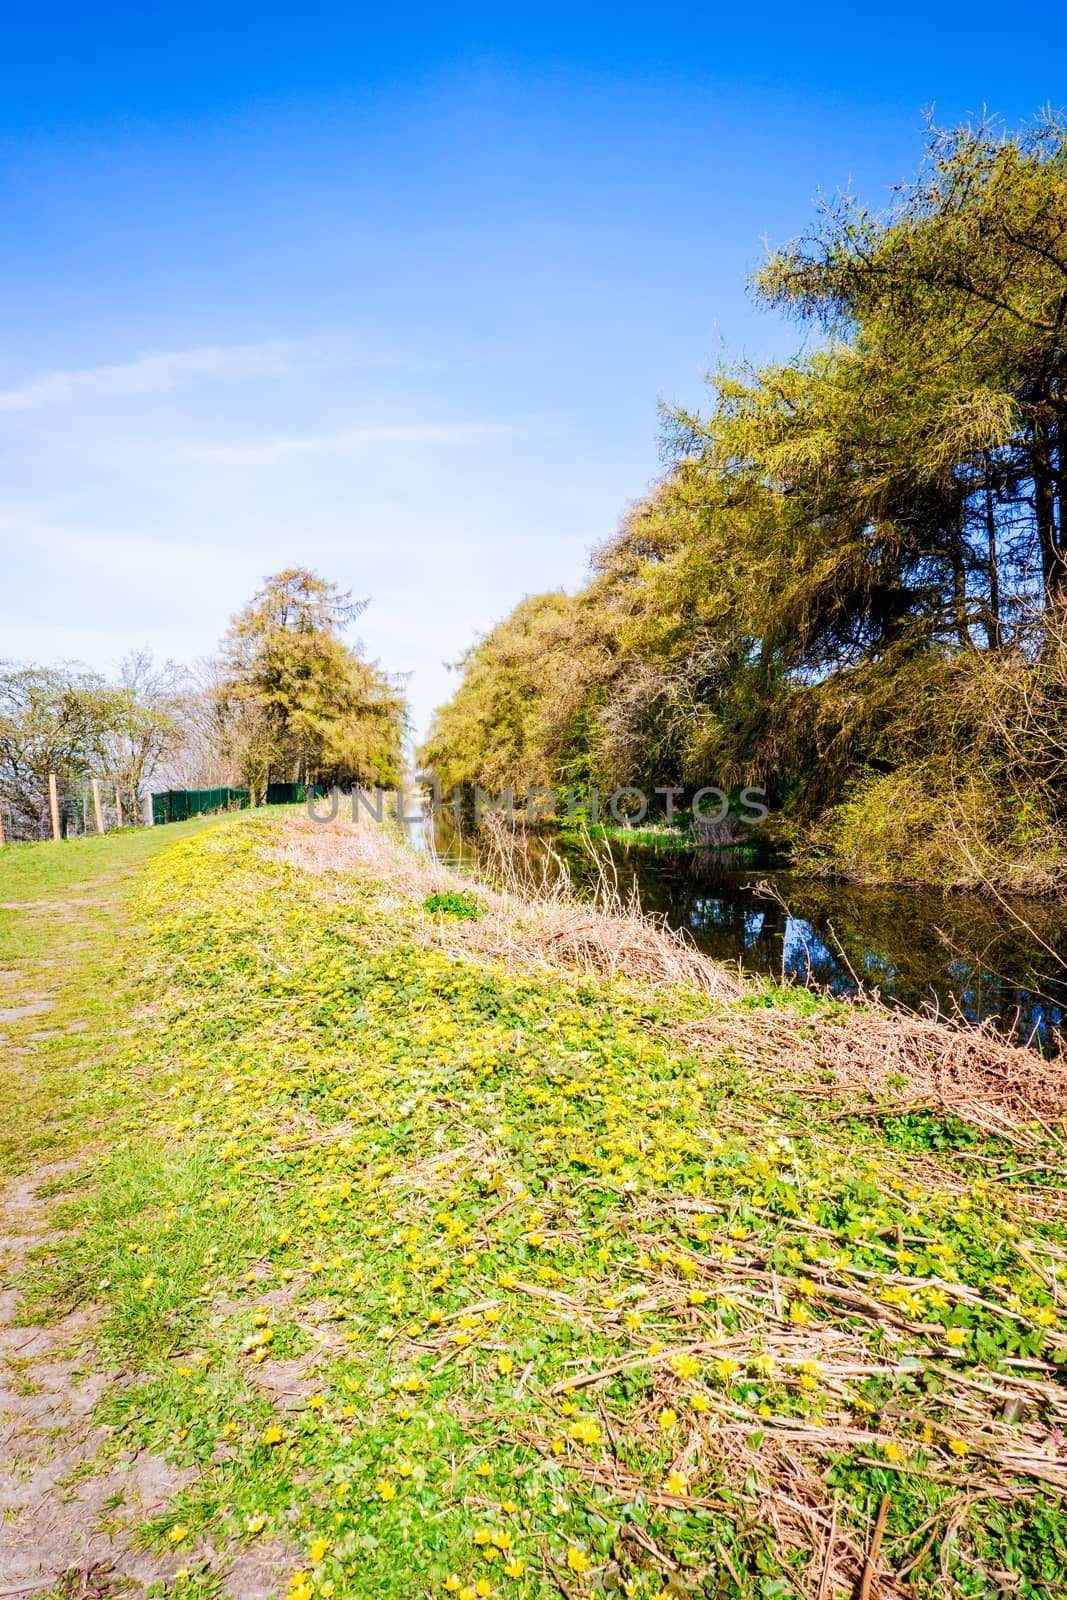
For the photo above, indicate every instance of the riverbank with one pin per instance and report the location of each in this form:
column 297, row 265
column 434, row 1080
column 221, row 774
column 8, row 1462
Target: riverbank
column 984, row 960
column 498, row 1248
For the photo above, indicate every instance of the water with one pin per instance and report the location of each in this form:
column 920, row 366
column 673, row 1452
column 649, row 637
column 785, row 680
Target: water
column 957, row 955
column 961, row 955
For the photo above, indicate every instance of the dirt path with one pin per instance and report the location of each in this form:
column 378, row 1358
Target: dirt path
column 67, row 1521
column 62, row 1516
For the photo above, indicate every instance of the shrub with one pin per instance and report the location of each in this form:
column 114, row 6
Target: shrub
column 451, row 904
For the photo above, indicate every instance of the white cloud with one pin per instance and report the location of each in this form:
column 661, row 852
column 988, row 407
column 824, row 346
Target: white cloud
column 155, row 373
column 349, row 441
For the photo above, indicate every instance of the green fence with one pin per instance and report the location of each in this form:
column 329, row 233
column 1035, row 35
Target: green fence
column 175, row 805
column 290, row 794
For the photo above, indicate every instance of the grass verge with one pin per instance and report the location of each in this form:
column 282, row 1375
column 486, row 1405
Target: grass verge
column 64, row 953
column 459, row 1275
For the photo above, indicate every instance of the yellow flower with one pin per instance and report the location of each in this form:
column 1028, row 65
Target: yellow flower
column 255, row 1524
column 577, row 1559
column 676, row 1484
column 700, row 1401
column 585, row 1432
column 685, row 1366
column 502, row 1539
column 178, row 1533
column 958, row 1447
column 318, row 1550
column 956, row 1337
column 514, row 1569
column 404, row 1469
column 667, row 1419
column 483, row 1536
column 386, row 1490
column 453, row 1583
column 273, row 1434
column 483, row 1588
column 726, row 1369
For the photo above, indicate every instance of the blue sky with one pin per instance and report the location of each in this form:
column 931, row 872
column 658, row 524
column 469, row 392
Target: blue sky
column 396, row 297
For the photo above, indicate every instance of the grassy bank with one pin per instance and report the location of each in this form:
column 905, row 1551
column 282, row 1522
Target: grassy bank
column 443, row 1267
column 64, row 939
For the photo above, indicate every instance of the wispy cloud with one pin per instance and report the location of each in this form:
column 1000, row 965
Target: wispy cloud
column 350, row 441
column 156, row 373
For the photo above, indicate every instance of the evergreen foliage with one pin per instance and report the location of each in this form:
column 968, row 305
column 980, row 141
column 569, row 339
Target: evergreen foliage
column 849, row 584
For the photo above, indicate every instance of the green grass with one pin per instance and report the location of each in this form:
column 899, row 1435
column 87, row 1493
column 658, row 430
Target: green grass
column 681, row 841
column 459, row 1278
column 63, row 940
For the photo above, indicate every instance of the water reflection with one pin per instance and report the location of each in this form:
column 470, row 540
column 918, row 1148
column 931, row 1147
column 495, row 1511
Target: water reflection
column 954, row 954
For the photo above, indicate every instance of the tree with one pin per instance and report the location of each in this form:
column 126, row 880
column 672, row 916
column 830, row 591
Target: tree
column 297, row 703
column 51, row 721
column 847, row 546
column 139, row 723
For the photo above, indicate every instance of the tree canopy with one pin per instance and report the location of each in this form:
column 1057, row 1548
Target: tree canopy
column 854, row 556
column 296, row 701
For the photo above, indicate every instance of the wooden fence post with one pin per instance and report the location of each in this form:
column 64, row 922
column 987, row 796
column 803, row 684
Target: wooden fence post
column 118, row 806
column 96, row 805
column 53, row 801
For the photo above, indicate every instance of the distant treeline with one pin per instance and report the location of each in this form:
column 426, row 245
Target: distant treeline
column 286, row 701
column 850, row 584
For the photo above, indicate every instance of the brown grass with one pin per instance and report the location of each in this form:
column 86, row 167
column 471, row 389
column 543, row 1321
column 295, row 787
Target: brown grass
column 861, row 1055
column 851, row 1058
